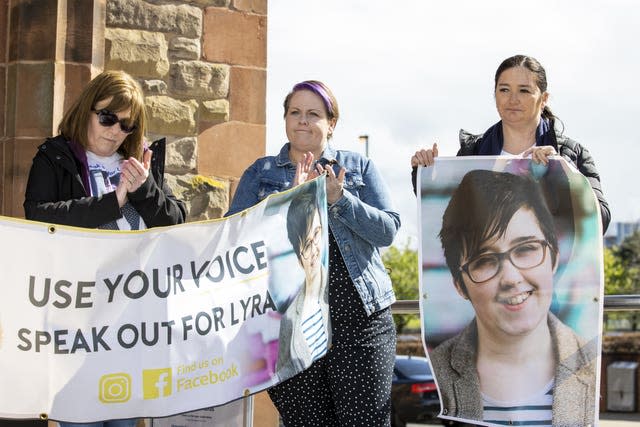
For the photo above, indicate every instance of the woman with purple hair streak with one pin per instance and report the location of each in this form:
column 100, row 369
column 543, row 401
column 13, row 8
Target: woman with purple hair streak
column 351, row 384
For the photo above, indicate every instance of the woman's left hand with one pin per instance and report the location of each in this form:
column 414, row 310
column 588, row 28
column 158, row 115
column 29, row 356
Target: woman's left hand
column 540, row 154
column 134, row 172
column 335, row 183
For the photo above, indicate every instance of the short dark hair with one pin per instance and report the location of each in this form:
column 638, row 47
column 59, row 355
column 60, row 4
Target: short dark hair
column 481, row 208
column 302, row 209
column 531, row 64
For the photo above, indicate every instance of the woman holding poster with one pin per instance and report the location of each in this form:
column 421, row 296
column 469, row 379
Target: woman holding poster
column 516, row 361
column 351, row 384
column 527, row 127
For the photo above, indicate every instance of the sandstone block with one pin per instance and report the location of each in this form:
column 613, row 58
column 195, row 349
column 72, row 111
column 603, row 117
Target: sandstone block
column 169, row 116
column 167, row 18
column 141, row 53
column 181, row 156
column 154, row 87
column 253, row 6
column 184, row 48
column 235, row 38
column 216, row 111
column 215, row 3
column 199, row 79
column 201, row 3
column 206, row 197
column 32, row 31
column 248, row 94
column 229, row 148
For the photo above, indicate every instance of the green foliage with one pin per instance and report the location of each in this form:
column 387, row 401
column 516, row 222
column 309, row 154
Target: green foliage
column 402, row 265
column 629, row 250
column 622, row 277
column 618, row 277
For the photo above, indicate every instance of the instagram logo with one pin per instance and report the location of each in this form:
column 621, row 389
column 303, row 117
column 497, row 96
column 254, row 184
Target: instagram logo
column 115, row 388
column 156, row 383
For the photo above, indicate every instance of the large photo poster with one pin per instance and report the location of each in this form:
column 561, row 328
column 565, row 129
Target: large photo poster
column 99, row 325
column 511, row 290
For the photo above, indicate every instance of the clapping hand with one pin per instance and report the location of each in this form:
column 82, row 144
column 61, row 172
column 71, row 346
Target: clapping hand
column 132, row 175
column 335, row 183
column 305, row 170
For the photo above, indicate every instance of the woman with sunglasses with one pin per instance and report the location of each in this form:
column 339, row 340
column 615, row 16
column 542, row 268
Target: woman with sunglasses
column 351, row 384
column 98, row 173
column 516, row 363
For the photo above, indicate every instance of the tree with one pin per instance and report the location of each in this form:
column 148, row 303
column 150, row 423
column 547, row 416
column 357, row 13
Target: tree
column 618, row 276
column 402, row 265
column 629, row 250
column 622, row 274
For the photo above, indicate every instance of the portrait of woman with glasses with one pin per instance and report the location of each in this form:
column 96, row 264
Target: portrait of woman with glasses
column 515, row 361
column 98, row 172
column 305, row 325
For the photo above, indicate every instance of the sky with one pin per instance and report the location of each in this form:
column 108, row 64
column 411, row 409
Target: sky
column 411, row 73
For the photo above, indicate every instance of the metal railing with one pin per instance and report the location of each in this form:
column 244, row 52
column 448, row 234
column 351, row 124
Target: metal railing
column 611, row 303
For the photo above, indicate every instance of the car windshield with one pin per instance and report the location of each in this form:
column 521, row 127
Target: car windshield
column 411, row 367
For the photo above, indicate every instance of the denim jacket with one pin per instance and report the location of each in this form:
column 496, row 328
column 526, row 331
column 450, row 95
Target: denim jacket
column 362, row 220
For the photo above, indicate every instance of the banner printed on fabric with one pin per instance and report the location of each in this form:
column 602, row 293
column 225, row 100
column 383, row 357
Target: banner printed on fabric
column 513, row 249
column 100, row 325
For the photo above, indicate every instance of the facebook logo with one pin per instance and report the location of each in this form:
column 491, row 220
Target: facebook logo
column 156, row 383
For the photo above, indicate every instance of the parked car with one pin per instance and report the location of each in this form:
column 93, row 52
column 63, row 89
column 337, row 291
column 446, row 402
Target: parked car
column 414, row 396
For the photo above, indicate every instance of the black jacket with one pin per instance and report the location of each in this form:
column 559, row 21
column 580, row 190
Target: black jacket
column 56, row 194
column 569, row 149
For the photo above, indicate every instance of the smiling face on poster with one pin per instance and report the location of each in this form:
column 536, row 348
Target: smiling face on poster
column 513, row 250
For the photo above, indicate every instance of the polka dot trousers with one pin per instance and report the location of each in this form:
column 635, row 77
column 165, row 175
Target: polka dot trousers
column 351, row 385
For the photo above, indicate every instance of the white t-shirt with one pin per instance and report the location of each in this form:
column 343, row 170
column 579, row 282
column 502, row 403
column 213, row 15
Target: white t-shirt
column 104, row 176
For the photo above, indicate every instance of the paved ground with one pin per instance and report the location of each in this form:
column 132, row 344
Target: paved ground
column 619, row 419
column 607, row 419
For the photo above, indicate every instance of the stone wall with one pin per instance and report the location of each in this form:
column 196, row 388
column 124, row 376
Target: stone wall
column 202, row 65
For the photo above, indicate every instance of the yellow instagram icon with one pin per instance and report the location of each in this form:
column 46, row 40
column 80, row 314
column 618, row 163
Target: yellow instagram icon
column 115, row 388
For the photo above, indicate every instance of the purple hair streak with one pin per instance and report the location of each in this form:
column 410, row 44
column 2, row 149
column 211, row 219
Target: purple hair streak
column 318, row 90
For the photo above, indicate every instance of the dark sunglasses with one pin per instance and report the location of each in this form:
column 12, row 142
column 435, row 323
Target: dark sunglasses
column 108, row 118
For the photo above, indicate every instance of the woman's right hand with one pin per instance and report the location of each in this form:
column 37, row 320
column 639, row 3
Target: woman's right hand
column 425, row 157
column 121, row 192
column 305, row 170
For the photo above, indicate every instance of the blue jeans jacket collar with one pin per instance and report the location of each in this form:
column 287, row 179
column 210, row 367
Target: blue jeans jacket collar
column 282, row 159
column 366, row 196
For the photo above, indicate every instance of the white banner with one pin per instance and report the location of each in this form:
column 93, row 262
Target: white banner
column 98, row 325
